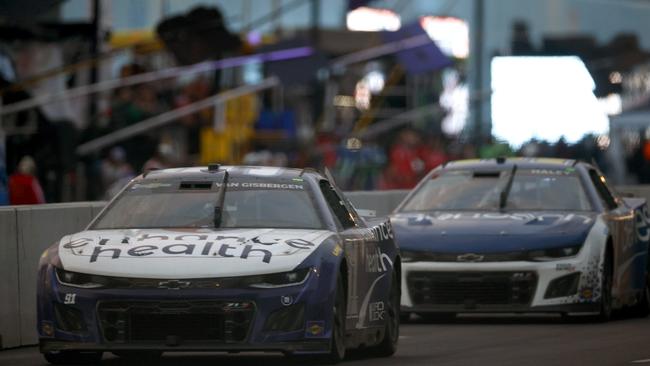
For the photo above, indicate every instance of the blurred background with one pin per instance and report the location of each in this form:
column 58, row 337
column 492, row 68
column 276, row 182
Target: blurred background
column 93, row 92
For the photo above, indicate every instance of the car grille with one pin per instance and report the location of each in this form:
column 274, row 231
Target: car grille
column 472, row 289
column 485, row 257
column 194, row 283
column 175, row 322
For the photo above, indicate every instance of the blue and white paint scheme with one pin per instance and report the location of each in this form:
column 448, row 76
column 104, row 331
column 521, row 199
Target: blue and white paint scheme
column 525, row 260
column 228, row 286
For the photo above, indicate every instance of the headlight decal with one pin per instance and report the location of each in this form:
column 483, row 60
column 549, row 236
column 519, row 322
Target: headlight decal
column 272, row 280
column 81, row 280
column 283, row 279
column 554, row 253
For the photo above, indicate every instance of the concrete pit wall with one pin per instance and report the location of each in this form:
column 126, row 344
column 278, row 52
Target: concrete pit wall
column 25, row 232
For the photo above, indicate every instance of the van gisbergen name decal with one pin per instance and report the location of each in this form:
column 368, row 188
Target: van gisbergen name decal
column 245, row 185
column 220, row 246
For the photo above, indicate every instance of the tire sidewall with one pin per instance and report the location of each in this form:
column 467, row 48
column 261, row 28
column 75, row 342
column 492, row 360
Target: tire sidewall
column 391, row 338
column 337, row 343
column 606, row 299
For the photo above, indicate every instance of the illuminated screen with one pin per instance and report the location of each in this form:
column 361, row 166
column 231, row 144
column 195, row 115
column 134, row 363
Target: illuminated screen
column 545, row 98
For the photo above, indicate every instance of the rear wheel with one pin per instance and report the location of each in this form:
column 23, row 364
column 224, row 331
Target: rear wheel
column 388, row 345
column 73, row 358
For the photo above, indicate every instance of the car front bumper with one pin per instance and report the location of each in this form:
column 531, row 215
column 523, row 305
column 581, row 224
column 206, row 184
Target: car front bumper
column 294, row 319
column 519, row 287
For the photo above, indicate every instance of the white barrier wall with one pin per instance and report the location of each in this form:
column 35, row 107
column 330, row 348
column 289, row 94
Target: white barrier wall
column 25, row 232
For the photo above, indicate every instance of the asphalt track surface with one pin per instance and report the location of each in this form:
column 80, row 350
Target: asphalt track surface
column 465, row 341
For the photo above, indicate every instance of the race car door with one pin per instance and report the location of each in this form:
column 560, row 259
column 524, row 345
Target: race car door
column 359, row 250
column 630, row 256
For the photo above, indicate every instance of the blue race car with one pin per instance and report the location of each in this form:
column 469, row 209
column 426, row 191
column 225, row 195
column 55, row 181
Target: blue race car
column 221, row 259
column 522, row 235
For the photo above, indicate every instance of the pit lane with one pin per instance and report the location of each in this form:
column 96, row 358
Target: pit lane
column 469, row 340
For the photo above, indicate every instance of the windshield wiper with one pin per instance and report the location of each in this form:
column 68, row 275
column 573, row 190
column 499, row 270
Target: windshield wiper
column 220, row 201
column 503, row 197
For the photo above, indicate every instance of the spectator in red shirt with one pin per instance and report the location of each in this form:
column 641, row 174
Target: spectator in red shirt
column 404, row 165
column 24, row 188
column 432, row 154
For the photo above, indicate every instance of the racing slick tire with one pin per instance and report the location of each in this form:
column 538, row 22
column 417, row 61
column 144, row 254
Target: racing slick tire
column 73, row 358
column 404, row 317
column 138, row 355
column 607, row 279
column 438, row 317
column 337, row 343
column 388, row 345
column 605, row 306
column 642, row 307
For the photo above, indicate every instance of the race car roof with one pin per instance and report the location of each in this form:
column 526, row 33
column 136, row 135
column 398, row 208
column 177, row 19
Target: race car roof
column 506, row 163
column 203, row 172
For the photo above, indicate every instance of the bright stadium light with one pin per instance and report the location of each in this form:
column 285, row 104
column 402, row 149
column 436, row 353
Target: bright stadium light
column 450, row 34
column 373, row 20
column 546, row 98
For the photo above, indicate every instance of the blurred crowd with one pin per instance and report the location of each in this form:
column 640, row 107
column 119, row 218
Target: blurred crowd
column 396, row 160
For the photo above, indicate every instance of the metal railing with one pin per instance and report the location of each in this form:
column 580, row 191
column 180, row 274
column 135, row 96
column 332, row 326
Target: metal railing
column 175, row 114
column 156, row 76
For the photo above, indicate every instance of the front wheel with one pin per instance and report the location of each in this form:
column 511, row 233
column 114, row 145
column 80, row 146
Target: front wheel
column 607, row 279
column 73, row 358
column 337, row 343
column 388, row 345
column 138, row 355
column 438, row 317
column 642, row 307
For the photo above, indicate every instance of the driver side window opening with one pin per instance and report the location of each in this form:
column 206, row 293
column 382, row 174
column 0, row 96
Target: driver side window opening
column 337, row 205
column 603, row 192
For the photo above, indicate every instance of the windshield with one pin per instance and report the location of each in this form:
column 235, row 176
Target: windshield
column 247, row 204
column 532, row 189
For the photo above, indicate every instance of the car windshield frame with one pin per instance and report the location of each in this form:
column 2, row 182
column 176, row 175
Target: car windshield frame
column 500, row 176
column 250, row 186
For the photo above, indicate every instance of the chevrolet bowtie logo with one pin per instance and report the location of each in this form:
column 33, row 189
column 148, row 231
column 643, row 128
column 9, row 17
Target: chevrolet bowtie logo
column 174, row 284
column 470, row 257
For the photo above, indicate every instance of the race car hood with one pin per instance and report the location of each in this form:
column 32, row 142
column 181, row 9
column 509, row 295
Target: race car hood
column 489, row 232
column 198, row 253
